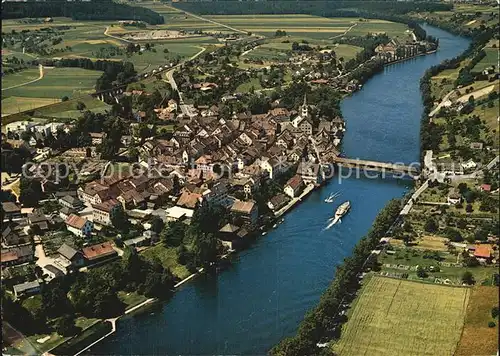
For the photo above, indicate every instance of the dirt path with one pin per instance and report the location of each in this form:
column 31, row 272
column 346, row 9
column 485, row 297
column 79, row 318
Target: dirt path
column 345, row 32
column 116, row 38
column 40, row 67
column 207, row 20
column 477, row 94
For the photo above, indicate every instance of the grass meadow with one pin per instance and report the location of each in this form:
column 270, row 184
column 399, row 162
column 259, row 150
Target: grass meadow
column 399, row 317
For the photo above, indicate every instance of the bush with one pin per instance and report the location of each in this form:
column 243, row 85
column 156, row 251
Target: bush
column 491, row 324
column 64, row 98
column 494, row 312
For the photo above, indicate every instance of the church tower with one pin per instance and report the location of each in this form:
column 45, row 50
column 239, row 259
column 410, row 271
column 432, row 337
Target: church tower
column 304, row 108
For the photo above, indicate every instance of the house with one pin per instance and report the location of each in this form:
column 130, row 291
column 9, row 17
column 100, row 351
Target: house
column 52, row 271
column 25, row 289
column 217, row 194
column 294, row 186
column 103, row 212
column 137, row 242
column 151, row 236
column 93, row 193
column 39, row 220
column 311, row 173
column 17, row 255
column 485, row 188
column 483, row 252
column 11, row 210
column 68, row 254
column 470, row 164
column 278, row 201
column 97, row 138
column 245, row 213
column 454, row 197
column 99, row 252
column 71, row 202
column 233, row 236
column 177, row 213
column 189, row 200
column 79, row 226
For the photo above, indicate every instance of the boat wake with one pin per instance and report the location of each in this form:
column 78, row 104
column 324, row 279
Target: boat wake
column 332, row 197
column 332, row 222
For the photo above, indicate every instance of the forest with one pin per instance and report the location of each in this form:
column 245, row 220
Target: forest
column 88, row 10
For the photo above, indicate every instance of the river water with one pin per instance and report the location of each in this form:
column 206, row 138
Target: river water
column 264, row 295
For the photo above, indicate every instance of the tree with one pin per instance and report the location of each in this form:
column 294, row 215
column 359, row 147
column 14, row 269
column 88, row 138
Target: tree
column 65, row 325
column 421, row 273
column 173, row 233
column 430, row 225
column 468, row 278
column 157, row 224
column 64, row 98
column 494, row 312
column 468, row 208
column 31, row 192
column 80, row 106
column 119, row 219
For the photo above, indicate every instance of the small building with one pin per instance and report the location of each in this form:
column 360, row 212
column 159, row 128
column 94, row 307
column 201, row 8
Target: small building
column 294, row 186
column 39, row 220
column 245, row 213
column 11, row 210
column 17, row 255
column 103, row 212
column 233, row 237
column 79, row 226
column 98, row 253
column 25, row 289
column 71, row 202
column 483, row 252
column 470, row 164
column 454, row 197
column 52, row 271
column 73, row 257
column 485, row 188
column 177, row 213
column 277, row 202
column 311, row 173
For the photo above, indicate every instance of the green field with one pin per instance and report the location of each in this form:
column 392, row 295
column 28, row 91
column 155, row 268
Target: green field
column 168, row 258
column 398, row 317
column 20, row 77
column 306, row 26
column 491, row 59
column 15, row 104
column 58, row 82
column 346, row 51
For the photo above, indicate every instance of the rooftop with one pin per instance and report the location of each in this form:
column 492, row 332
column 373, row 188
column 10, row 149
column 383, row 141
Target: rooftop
column 99, row 250
column 243, row 206
column 76, row 221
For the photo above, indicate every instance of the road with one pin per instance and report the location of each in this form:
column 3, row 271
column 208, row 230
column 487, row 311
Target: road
column 444, row 102
column 208, row 20
column 40, row 67
column 170, row 77
column 409, row 204
column 115, row 37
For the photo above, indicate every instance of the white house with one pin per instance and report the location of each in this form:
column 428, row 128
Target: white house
column 79, row 226
column 294, row 186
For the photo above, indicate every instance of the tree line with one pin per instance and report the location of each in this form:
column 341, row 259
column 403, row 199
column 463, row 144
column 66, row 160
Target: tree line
column 114, row 72
column 319, row 8
column 324, row 322
column 77, row 10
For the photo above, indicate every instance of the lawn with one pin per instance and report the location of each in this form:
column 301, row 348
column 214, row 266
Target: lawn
column 477, row 338
column 20, row 77
column 131, row 299
column 346, row 51
column 397, row 317
column 58, row 82
column 168, row 258
column 245, row 87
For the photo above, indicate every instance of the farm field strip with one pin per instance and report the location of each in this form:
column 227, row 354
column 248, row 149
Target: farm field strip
column 399, row 317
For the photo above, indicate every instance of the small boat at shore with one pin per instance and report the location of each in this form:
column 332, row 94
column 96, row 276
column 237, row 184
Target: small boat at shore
column 264, row 233
column 275, row 226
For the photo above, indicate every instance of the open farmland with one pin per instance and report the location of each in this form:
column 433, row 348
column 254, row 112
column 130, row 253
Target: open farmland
column 15, row 104
column 477, row 338
column 58, row 82
column 491, row 59
column 307, row 26
column 398, row 317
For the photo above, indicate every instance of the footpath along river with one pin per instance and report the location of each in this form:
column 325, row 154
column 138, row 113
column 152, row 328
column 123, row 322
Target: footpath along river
column 264, row 295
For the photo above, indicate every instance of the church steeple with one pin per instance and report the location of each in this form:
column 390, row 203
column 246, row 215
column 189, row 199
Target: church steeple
column 304, row 108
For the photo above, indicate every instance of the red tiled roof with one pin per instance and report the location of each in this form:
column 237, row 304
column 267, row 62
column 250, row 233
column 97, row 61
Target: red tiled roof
column 295, row 182
column 486, row 187
column 243, row 206
column 188, row 199
column 76, row 221
column 99, row 250
column 482, row 251
column 107, row 205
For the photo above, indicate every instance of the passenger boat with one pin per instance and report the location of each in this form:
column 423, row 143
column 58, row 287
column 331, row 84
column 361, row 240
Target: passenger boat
column 342, row 210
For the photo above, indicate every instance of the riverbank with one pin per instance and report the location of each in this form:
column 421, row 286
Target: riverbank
column 256, row 302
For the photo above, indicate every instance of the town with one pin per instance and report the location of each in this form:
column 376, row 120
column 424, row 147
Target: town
column 173, row 163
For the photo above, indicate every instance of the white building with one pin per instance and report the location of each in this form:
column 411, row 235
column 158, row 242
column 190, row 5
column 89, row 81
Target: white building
column 79, row 226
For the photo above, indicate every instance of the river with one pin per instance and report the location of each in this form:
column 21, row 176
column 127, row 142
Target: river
column 264, row 295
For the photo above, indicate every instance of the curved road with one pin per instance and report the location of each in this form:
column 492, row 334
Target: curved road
column 40, row 67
